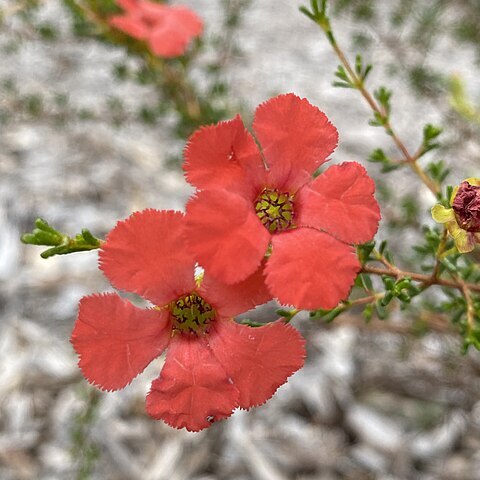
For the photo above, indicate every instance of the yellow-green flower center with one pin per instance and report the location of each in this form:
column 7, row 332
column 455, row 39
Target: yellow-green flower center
column 191, row 314
column 275, row 210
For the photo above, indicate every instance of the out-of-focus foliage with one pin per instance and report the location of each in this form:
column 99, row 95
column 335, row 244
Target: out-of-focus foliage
column 412, row 30
column 176, row 91
column 461, row 103
column 381, row 287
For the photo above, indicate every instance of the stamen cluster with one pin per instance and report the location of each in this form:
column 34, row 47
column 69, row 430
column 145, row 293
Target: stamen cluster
column 191, row 314
column 275, row 210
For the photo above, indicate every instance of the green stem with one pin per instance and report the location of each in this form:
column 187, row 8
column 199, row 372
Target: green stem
column 357, row 82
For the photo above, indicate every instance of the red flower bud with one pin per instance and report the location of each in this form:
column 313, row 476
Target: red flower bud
column 466, row 206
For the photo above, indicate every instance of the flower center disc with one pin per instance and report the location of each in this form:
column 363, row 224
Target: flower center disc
column 191, row 314
column 275, row 210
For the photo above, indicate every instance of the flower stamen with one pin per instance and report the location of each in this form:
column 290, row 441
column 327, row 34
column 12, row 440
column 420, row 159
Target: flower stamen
column 191, row 314
column 275, row 210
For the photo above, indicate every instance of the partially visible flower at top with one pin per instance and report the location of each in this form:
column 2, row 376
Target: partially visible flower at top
column 213, row 365
column 251, row 203
column 463, row 218
column 167, row 29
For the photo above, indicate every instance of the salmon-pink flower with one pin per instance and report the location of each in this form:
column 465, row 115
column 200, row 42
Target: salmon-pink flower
column 251, row 203
column 213, row 365
column 167, row 29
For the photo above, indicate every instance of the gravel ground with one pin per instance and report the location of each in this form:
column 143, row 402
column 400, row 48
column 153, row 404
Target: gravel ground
column 368, row 405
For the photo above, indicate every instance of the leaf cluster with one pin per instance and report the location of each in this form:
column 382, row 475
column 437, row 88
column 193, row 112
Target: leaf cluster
column 62, row 244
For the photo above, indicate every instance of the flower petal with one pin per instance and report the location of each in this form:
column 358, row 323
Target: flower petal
column 153, row 12
column 295, row 136
column 145, row 254
column 224, row 155
column 473, row 181
column 310, row 269
column 186, row 20
column 441, row 214
column 464, row 241
column 116, row 341
column 225, row 234
column 340, row 201
column 128, row 4
column 193, row 389
column 231, row 300
column 258, row 360
column 174, row 30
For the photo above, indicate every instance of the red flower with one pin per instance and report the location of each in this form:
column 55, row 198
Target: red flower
column 167, row 29
column 213, row 364
column 250, row 202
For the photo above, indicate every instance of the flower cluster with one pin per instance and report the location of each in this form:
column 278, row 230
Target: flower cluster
column 251, row 203
column 213, row 364
column 261, row 226
column 463, row 218
column 167, row 29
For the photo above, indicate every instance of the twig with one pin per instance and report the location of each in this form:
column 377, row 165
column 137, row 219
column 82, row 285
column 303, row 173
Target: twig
column 358, row 83
column 424, row 279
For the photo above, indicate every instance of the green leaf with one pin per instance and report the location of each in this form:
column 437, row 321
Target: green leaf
column 306, row 12
column 42, row 224
column 386, row 300
column 342, row 85
column 382, row 247
column 89, row 238
column 383, row 95
column 368, row 312
column 380, row 310
column 364, row 251
column 378, row 155
column 472, row 339
column 379, row 120
column 388, row 282
column 431, row 131
column 366, row 282
column 367, row 70
column 358, row 64
column 342, row 74
column 61, row 244
column 327, row 315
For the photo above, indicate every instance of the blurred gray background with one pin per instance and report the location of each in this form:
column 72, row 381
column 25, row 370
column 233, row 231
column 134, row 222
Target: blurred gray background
column 373, row 401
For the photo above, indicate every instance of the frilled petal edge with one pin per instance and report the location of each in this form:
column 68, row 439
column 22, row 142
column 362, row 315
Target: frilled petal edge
column 116, row 341
column 309, row 269
column 146, row 254
column 193, row 389
column 259, row 360
column 296, row 138
column 340, row 201
column 224, row 155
